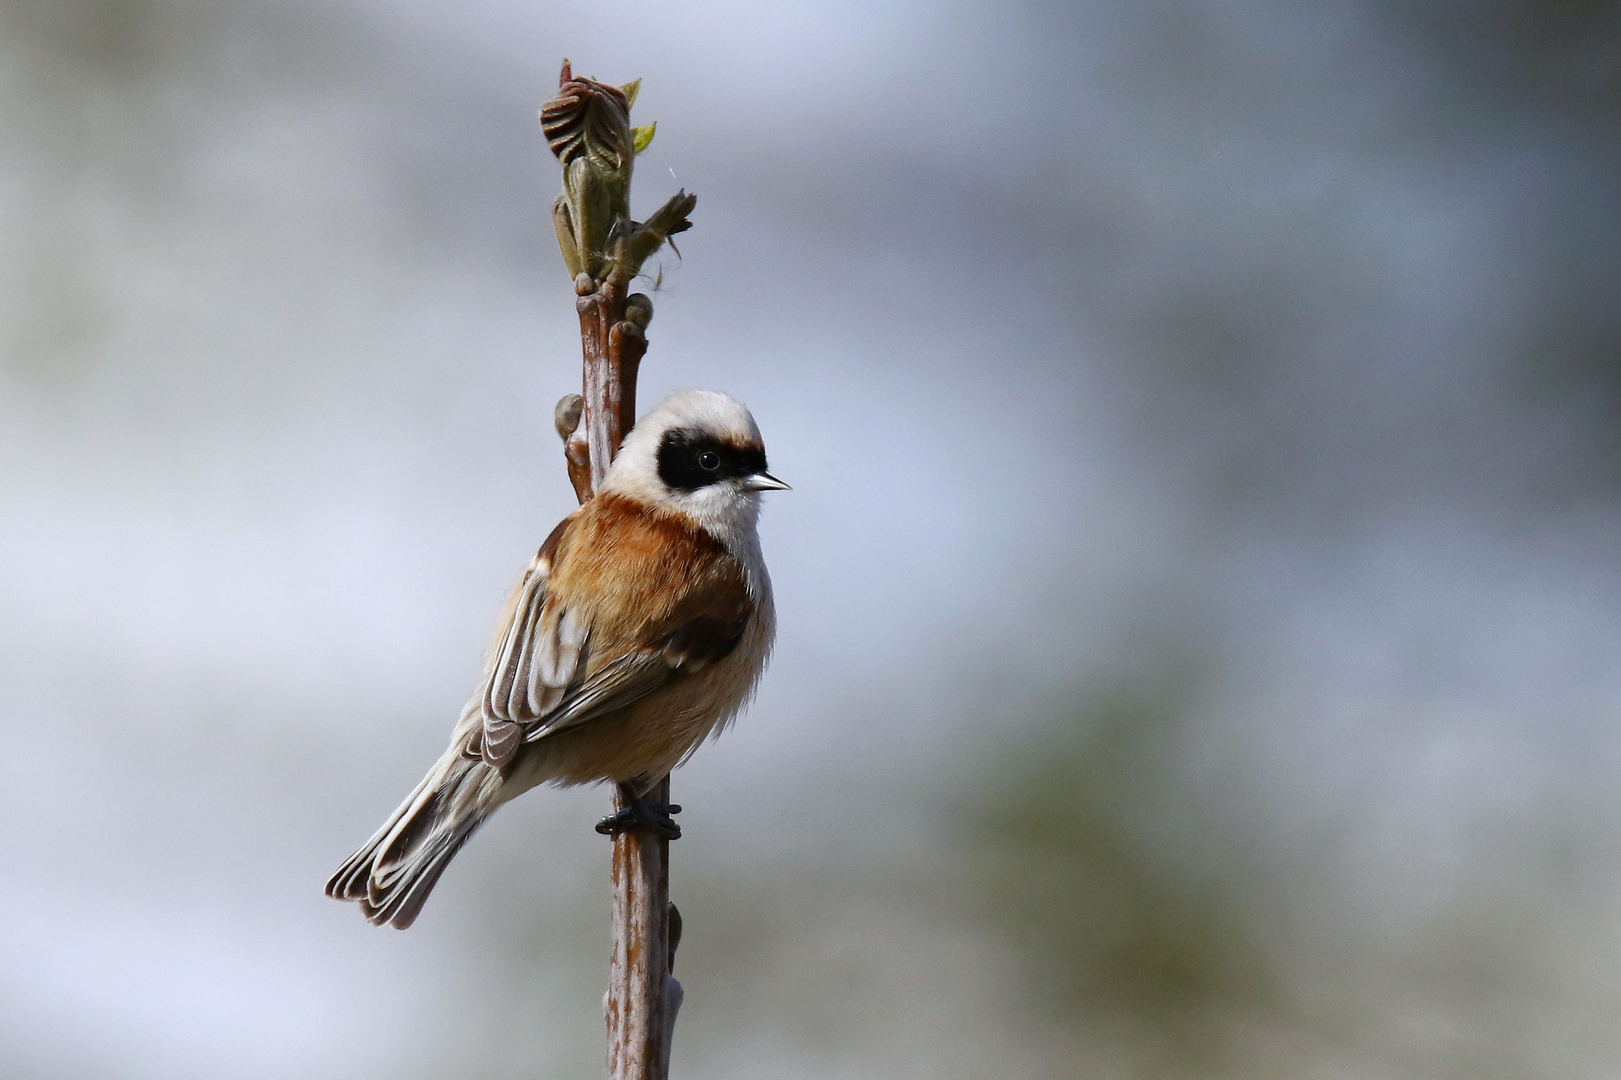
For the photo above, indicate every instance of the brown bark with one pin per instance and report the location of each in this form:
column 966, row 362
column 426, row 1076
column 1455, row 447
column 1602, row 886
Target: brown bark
column 638, row 1027
column 612, row 348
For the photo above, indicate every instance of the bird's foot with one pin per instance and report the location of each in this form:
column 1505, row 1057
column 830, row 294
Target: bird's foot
column 640, row 814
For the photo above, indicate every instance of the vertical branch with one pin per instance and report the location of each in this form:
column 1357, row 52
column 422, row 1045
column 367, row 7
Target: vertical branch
column 588, row 127
column 612, row 345
column 638, row 1029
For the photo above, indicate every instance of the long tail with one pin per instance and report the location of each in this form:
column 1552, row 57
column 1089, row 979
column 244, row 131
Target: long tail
column 393, row 872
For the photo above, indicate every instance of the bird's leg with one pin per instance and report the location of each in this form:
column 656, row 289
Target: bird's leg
column 640, row 814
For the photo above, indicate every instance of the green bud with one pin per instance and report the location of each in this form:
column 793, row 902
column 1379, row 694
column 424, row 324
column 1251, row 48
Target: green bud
column 587, row 126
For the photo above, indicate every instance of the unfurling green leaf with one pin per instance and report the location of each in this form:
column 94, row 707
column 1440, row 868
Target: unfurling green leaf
column 630, row 90
column 564, row 224
column 646, row 237
column 641, row 136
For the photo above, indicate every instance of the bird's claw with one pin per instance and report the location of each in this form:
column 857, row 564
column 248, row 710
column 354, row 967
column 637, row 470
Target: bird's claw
column 654, row 817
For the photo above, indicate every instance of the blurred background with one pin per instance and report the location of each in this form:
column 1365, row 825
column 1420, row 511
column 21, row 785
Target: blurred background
column 1200, row 595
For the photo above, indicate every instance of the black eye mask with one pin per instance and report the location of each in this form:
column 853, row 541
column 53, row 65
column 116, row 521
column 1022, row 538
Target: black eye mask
column 689, row 460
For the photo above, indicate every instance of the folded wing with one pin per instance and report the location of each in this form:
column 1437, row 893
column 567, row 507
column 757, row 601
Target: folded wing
column 631, row 676
column 538, row 656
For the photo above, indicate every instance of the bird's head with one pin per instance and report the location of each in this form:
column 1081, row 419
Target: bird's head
column 700, row 453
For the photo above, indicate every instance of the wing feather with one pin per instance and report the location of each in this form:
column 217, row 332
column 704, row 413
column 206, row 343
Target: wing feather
column 631, row 676
column 540, row 650
column 622, row 681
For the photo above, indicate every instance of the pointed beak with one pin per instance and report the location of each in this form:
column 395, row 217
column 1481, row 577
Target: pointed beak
column 764, row 481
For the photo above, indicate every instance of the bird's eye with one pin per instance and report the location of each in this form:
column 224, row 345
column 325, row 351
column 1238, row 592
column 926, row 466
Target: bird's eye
column 709, row 461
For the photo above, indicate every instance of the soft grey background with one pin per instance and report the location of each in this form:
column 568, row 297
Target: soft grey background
column 1200, row 597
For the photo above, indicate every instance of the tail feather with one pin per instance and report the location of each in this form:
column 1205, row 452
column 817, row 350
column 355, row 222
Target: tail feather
column 393, row 872
column 398, row 903
column 350, row 882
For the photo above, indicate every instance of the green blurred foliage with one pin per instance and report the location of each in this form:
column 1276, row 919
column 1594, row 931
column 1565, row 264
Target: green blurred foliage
column 1178, row 938
column 1110, row 929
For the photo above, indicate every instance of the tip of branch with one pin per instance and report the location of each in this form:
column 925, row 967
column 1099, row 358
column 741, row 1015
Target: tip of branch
column 567, row 72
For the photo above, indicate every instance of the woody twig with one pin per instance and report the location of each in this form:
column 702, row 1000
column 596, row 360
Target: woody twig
column 588, row 128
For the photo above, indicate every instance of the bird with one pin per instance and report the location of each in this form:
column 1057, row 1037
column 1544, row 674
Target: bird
column 640, row 628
